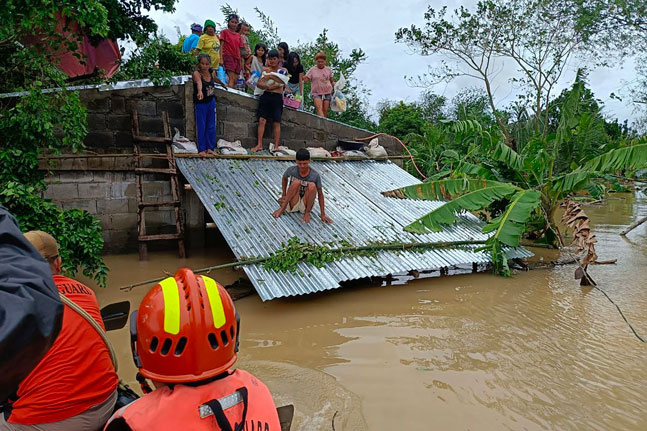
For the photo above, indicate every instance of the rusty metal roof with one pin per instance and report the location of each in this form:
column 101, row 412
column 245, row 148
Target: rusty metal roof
column 240, row 196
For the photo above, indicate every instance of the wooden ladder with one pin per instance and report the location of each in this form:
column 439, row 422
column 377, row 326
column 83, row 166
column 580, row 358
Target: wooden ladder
column 171, row 170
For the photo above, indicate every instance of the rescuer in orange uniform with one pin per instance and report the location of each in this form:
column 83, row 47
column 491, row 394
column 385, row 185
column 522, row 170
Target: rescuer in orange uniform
column 74, row 386
column 184, row 338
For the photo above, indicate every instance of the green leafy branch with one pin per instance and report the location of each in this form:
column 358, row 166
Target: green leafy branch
column 293, row 252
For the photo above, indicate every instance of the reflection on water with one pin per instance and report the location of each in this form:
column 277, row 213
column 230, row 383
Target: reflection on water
column 531, row 352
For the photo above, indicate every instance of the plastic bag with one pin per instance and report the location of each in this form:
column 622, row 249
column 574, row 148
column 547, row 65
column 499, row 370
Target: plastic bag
column 253, row 79
column 338, row 103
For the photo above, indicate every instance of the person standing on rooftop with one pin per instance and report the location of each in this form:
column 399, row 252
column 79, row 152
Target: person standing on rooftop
column 204, row 102
column 209, row 43
column 320, row 77
column 191, row 42
column 284, row 51
column 231, row 46
column 270, row 104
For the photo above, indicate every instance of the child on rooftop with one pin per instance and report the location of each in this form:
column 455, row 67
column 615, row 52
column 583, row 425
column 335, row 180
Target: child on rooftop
column 284, row 51
column 245, row 51
column 204, row 101
column 295, row 69
column 232, row 44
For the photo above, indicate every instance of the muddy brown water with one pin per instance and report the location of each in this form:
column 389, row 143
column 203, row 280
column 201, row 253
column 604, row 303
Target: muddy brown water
column 468, row 352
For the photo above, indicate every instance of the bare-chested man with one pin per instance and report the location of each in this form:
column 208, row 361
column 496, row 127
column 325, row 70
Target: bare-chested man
column 301, row 185
column 270, row 104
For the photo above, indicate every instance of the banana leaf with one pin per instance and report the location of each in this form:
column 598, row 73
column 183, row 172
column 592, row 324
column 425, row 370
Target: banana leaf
column 503, row 153
column 443, row 189
column 448, row 213
column 629, row 158
column 509, row 226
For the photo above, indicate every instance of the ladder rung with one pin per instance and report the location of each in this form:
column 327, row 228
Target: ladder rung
column 160, row 237
column 160, row 204
column 152, row 139
column 156, row 171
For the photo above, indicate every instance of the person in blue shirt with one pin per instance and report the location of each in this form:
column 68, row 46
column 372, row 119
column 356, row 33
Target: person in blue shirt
column 191, row 42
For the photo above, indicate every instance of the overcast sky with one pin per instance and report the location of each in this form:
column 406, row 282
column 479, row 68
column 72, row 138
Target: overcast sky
column 371, row 27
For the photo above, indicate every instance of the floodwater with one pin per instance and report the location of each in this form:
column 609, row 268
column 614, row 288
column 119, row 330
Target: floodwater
column 467, row 352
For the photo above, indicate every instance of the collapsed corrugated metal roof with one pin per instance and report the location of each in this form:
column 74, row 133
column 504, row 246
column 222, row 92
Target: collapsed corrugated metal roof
column 241, row 194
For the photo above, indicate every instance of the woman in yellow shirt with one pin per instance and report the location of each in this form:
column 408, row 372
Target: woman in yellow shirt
column 209, row 43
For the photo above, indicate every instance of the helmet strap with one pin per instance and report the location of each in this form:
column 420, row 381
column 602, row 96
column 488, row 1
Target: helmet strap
column 143, row 384
column 133, row 339
column 237, row 331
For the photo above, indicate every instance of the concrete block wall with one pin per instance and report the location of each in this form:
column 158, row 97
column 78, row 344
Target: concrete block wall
column 105, row 185
column 109, row 115
column 112, row 198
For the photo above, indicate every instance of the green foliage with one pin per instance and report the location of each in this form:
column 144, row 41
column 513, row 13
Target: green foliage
column 400, row 119
column 44, row 121
column 156, row 59
column 509, row 226
column 529, row 183
column 78, row 233
column 127, row 19
column 447, row 213
column 27, row 129
column 629, row 158
column 294, row 251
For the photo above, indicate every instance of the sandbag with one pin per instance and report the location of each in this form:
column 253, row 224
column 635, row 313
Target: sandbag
column 226, row 147
column 318, row 152
column 375, row 150
column 182, row 144
column 281, row 150
column 351, row 153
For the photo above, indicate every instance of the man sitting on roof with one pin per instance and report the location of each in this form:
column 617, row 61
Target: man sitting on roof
column 304, row 186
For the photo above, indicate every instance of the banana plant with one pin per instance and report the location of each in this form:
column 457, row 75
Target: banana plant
column 531, row 190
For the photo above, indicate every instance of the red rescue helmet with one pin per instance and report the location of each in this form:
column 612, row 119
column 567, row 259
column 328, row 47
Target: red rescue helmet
column 186, row 330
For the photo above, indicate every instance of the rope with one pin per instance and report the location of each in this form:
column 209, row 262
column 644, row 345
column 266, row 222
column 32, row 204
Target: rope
column 591, row 281
column 113, row 356
column 621, row 314
column 368, row 138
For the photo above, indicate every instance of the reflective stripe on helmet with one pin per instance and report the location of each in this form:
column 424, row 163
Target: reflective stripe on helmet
column 171, row 294
column 217, row 310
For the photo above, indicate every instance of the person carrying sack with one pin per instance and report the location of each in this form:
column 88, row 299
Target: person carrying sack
column 184, row 338
column 74, row 387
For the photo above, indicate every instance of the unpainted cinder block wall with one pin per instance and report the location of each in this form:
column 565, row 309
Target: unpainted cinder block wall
column 105, row 185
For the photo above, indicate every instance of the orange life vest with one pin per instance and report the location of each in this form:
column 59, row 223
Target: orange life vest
column 240, row 400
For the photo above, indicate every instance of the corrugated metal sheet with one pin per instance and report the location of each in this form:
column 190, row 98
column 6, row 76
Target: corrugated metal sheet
column 241, row 195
